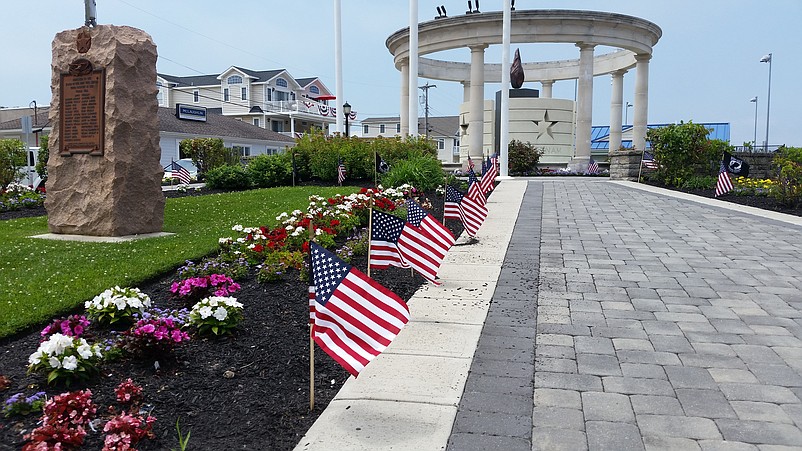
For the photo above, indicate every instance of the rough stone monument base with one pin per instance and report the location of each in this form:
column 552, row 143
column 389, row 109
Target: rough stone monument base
column 104, row 171
column 625, row 164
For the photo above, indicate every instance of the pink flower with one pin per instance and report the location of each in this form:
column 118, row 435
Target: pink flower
column 148, row 328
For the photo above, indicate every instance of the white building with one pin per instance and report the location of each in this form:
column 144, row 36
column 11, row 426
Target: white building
column 271, row 99
column 443, row 130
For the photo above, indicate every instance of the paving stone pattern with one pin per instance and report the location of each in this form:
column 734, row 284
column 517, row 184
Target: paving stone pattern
column 661, row 324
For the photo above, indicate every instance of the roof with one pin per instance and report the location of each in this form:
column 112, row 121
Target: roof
column 600, row 134
column 212, row 79
column 16, row 124
column 304, row 82
column 439, row 125
column 216, row 125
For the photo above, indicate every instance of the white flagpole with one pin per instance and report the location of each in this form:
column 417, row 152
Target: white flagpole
column 311, row 327
column 504, row 138
column 338, row 64
column 370, row 227
column 413, row 67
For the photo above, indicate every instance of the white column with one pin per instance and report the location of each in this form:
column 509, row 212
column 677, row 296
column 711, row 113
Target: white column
column 504, row 129
column 404, row 98
column 466, row 91
column 616, row 106
column 413, row 67
column 338, row 65
column 477, row 108
column 547, row 85
column 584, row 115
column 641, row 112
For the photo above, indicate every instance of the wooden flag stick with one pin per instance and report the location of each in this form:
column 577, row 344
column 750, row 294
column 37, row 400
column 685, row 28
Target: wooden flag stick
column 640, row 168
column 370, row 227
column 311, row 327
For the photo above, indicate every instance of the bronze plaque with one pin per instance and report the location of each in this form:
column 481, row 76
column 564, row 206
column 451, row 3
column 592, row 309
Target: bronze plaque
column 81, row 112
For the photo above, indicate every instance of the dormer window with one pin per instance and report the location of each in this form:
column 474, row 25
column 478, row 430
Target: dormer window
column 234, row 80
column 314, row 90
column 281, row 82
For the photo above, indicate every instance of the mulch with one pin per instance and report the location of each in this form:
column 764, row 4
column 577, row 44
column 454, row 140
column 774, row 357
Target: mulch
column 262, row 405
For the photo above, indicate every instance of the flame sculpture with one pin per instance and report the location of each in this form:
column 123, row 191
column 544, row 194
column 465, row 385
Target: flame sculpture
column 516, row 71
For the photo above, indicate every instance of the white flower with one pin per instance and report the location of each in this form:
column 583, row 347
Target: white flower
column 240, row 240
column 205, row 312
column 224, row 240
column 232, row 302
column 297, row 212
column 54, row 362
column 135, row 303
column 237, row 228
column 288, row 228
column 85, row 351
column 247, row 230
column 70, row 363
column 120, row 303
column 318, row 232
column 35, row 357
column 220, row 313
column 213, row 301
column 251, row 246
column 281, row 216
column 97, row 351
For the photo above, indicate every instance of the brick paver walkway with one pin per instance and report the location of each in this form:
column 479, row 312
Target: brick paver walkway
column 660, row 324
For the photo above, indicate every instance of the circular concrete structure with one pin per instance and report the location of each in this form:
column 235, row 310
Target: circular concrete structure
column 634, row 37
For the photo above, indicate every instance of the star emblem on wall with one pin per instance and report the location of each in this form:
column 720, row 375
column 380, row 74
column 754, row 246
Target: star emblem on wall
column 544, row 127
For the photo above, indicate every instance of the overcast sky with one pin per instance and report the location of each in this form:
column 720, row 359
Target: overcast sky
column 705, row 67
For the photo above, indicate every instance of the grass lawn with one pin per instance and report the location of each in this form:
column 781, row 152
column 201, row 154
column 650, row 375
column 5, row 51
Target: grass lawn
column 42, row 279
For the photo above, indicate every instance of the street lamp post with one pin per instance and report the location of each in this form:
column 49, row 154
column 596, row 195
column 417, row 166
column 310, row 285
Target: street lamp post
column 767, row 59
column 346, row 112
column 754, row 141
column 626, row 112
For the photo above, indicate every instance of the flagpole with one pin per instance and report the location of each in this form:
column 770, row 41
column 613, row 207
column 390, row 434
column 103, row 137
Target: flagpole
column 375, row 179
column 311, row 327
column 445, row 191
column 640, row 168
column 370, row 227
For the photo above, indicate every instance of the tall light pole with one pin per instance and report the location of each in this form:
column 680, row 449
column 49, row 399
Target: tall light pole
column 346, row 113
column 754, row 142
column 626, row 112
column 767, row 59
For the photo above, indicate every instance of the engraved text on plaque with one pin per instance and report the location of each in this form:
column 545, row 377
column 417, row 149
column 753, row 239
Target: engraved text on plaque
column 83, row 94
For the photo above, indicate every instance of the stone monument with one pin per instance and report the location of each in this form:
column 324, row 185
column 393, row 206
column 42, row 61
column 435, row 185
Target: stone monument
column 104, row 175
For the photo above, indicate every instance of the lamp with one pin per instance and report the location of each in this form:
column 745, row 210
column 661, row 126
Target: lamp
column 626, row 112
column 347, row 112
column 754, row 142
column 767, row 59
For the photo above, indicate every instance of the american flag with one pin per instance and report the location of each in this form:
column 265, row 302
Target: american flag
column 470, row 163
column 180, row 173
column 593, row 167
column 424, row 241
column 312, row 305
column 451, row 204
column 356, row 318
column 489, row 176
column 385, row 232
column 648, row 160
column 471, row 181
column 472, row 209
column 340, row 172
column 723, row 184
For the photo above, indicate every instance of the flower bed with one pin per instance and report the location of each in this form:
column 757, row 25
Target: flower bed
column 251, row 384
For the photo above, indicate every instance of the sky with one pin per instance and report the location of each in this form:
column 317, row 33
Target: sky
column 705, row 68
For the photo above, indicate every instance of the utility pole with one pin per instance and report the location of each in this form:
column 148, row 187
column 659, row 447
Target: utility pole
column 425, row 89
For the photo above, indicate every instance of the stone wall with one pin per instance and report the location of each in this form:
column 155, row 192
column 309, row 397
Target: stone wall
column 759, row 164
column 625, row 164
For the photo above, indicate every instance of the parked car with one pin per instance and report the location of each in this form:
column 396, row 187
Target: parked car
column 28, row 176
column 185, row 163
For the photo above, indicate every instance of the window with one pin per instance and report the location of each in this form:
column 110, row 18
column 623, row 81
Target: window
column 256, row 121
column 381, row 128
column 268, row 94
column 226, row 97
column 441, row 143
column 398, row 127
column 234, row 80
column 314, row 90
column 281, row 82
column 160, row 97
column 244, row 93
column 196, row 96
column 365, row 129
column 242, row 151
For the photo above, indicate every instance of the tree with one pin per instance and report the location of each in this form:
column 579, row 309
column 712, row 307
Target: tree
column 12, row 160
column 206, row 153
column 682, row 151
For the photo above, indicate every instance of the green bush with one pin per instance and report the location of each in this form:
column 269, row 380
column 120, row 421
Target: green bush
column 788, row 163
column 683, row 151
column 523, row 158
column 12, row 160
column 271, row 170
column 422, row 171
column 207, row 153
column 228, row 177
column 699, row 182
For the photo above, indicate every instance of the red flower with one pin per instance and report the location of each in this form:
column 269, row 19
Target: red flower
column 258, row 248
column 305, row 246
column 334, row 222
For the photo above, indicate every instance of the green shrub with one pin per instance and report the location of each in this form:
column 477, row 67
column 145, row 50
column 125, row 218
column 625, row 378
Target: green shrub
column 271, row 170
column 12, row 159
column 207, row 153
column 523, row 158
column 788, row 163
column 422, row 171
column 683, row 151
column 42, row 156
column 699, row 182
column 228, row 177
